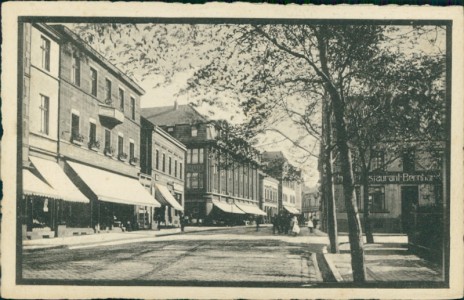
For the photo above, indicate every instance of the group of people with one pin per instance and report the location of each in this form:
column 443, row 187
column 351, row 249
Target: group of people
column 288, row 224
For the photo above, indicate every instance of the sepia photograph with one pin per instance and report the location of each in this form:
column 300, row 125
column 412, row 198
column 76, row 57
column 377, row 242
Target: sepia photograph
column 208, row 152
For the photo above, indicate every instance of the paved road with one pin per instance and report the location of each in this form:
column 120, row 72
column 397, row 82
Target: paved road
column 233, row 255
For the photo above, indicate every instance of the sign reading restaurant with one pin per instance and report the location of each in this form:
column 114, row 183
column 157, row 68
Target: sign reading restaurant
column 397, row 177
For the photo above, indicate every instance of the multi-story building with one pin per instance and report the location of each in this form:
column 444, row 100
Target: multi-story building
column 77, row 109
column 399, row 185
column 46, row 188
column 162, row 159
column 221, row 187
column 289, row 192
column 269, row 196
column 311, row 203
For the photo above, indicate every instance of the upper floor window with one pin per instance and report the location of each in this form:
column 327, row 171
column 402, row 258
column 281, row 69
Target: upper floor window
column 121, row 99
column 94, row 80
column 194, row 131
column 120, row 144
column 377, row 160
column 180, row 170
column 107, row 139
column 170, row 129
column 194, row 156
column 76, row 70
column 44, row 114
column 170, row 165
column 92, row 133
column 175, row 168
column 75, row 129
column 132, row 104
column 408, row 161
column 108, row 89
column 157, row 159
column 45, row 48
column 189, row 156
column 164, row 163
column 131, row 150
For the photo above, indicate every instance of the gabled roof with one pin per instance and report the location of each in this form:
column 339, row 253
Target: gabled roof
column 170, row 116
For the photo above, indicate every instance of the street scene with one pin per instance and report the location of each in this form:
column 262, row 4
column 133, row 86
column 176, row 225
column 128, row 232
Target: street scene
column 285, row 154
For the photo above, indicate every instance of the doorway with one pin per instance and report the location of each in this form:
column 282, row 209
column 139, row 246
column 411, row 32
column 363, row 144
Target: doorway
column 409, row 199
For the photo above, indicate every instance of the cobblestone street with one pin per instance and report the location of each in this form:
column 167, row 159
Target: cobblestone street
column 229, row 255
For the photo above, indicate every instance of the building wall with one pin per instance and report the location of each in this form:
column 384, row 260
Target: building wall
column 79, row 100
column 43, row 83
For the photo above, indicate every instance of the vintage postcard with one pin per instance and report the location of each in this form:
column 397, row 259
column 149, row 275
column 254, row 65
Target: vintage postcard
column 225, row 151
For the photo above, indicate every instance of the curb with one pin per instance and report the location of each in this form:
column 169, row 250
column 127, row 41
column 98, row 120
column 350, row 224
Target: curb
column 45, row 247
column 331, row 265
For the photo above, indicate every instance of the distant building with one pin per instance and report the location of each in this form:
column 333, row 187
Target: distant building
column 162, row 160
column 220, row 187
column 269, row 196
column 289, row 193
column 311, row 202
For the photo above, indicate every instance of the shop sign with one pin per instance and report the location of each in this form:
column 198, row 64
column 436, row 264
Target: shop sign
column 396, row 177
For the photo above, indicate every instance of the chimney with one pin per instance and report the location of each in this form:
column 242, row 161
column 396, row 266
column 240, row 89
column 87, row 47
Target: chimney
column 176, row 105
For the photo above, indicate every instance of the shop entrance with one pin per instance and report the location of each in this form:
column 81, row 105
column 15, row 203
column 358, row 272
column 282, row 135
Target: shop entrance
column 409, row 200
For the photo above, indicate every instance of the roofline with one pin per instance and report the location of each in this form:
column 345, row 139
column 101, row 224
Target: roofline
column 99, row 57
column 166, row 135
column 48, row 29
column 206, row 120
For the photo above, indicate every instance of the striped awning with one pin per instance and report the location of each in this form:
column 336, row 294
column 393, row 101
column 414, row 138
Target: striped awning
column 251, row 209
column 228, row 208
column 34, row 186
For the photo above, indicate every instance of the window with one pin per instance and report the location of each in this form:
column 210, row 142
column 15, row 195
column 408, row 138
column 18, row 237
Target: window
column 75, row 132
column 132, row 103
column 45, row 48
column 157, row 160
column 408, row 161
column 377, row 161
column 189, row 156
column 76, row 70
column 131, row 150
column 94, row 80
column 189, row 177
column 107, row 139
column 175, row 168
column 44, row 114
column 194, row 131
column 169, row 165
column 164, row 163
column 170, row 129
column 180, row 170
column 92, row 133
column 120, row 144
column 121, row 99
column 194, row 156
column 194, row 183
column 108, row 90
column 377, row 199
column 200, row 156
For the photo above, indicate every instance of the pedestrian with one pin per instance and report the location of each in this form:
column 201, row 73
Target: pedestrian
column 295, row 227
column 257, row 222
column 182, row 222
column 310, row 224
column 274, row 224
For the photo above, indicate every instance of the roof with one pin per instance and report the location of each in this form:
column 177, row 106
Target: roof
column 170, row 116
column 272, row 155
column 67, row 32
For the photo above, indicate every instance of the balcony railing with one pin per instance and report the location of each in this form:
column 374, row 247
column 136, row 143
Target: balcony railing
column 122, row 156
column 109, row 151
column 77, row 138
column 94, row 145
column 133, row 161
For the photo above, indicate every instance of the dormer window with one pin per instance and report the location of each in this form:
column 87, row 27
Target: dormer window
column 170, row 129
column 194, row 131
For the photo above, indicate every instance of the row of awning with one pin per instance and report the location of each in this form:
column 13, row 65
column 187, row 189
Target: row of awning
column 51, row 181
column 238, row 208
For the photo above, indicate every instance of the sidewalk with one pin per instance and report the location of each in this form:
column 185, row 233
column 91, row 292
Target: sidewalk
column 385, row 261
column 113, row 238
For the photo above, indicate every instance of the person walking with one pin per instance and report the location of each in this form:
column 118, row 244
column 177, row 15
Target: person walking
column 310, row 224
column 257, row 220
column 295, row 227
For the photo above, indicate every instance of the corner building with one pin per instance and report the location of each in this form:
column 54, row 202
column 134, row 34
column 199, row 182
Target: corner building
column 220, row 187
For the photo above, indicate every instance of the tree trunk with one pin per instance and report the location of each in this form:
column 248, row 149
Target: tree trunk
column 354, row 224
column 367, row 221
column 332, row 230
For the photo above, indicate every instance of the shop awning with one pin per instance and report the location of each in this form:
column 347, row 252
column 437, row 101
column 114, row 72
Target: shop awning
column 58, row 180
column 34, row 186
column 111, row 187
column 228, row 208
column 292, row 210
column 251, row 209
column 165, row 197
